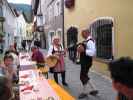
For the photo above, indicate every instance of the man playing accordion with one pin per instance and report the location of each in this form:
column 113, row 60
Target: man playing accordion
column 87, row 50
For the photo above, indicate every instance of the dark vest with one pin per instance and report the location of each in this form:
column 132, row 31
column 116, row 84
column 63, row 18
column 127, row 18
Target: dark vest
column 53, row 51
column 85, row 59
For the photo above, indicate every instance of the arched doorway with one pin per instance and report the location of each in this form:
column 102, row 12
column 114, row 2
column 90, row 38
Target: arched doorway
column 72, row 38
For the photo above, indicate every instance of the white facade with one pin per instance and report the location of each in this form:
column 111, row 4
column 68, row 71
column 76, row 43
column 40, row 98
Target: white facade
column 52, row 18
column 52, row 21
column 10, row 24
column 14, row 26
column 21, row 30
column 29, row 34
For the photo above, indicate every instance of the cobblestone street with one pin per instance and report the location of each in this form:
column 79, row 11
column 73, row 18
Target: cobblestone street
column 102, row 83
column 47, row 40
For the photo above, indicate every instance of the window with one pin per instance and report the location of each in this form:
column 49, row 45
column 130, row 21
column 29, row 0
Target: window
column 53, row 12
column 50, row 13
column 59, row 33
column 58, row 8
column 52, row 35
column 1, row 19
column 102, row 31
column 44, row 19
column 46, row 16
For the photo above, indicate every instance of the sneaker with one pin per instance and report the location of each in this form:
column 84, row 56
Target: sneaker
column 82, row 95
column 94, row 92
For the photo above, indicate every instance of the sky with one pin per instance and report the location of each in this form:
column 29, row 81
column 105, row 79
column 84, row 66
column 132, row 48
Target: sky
column 20, row 1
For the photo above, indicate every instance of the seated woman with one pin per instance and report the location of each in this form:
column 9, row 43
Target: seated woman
column 37, row 56
column 122, row 75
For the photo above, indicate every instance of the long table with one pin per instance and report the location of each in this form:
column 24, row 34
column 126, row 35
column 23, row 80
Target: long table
column 33, row 87
column 36, row 87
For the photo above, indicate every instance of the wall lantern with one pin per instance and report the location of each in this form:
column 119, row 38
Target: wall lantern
column 39, row 19
column 40, row 27
column 69, row 4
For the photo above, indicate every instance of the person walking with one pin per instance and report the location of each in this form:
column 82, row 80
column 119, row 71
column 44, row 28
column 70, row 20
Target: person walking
column 87, row 50
column 23, row 43
column 57, row 49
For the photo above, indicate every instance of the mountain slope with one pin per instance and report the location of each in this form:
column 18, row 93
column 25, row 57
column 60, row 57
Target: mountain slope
column 26, row 9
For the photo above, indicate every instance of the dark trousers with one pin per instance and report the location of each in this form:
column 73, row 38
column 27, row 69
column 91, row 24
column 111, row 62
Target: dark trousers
column 122, row 97
column 62, row 76
column 72, row 53
column 84, row 72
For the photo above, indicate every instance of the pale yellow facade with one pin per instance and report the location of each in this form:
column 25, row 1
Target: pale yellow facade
column 85, row 11
column 29, row 33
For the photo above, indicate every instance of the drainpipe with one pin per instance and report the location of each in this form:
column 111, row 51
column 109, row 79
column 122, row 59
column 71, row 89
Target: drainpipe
column 63, row 36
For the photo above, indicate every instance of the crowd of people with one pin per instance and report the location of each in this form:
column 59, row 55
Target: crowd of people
column 121, row 70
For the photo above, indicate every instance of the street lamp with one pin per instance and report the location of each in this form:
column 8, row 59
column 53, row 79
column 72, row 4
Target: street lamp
column 40, row 20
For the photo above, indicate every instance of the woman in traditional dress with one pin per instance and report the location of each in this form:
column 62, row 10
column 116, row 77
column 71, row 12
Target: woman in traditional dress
column 57, row 49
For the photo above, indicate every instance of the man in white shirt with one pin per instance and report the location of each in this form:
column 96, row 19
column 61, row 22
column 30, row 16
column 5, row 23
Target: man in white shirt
column 87, row 50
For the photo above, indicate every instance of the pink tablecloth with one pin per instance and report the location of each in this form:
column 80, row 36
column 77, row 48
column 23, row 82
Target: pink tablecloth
column 39, row 87
column 25, row 62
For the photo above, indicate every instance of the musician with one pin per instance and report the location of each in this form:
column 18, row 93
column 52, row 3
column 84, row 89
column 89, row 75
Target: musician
column 57, row 49
column 122, row 76
column 87, row 51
